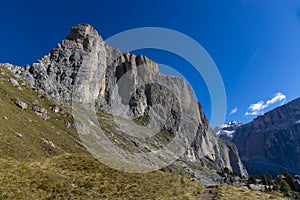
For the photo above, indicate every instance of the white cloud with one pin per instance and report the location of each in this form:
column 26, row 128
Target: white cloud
column 252, row 113
column 276, row 98
column 259, row 107
column 233, row 111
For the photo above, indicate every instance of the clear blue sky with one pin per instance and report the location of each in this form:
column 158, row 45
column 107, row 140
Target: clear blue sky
column 255, row 43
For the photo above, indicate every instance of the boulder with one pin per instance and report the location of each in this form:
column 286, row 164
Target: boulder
column 55, row 108
column 14, row 82
column 21, row 104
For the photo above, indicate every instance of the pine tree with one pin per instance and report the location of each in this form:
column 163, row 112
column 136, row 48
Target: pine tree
column 285, row 188
column 264, row 179
column 289, row 179
column 251, row 180
column 269, row 179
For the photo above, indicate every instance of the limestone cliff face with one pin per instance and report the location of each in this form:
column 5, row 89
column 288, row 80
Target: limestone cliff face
column 271, row 142
column 119, row 86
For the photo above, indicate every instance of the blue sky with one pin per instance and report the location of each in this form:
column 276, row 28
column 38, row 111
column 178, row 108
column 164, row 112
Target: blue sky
column 254, row 43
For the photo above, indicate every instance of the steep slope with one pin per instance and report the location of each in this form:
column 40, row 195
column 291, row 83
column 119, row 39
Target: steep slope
column 84, row 63
column 35, row 132
column 43, row 157
column 271, row 142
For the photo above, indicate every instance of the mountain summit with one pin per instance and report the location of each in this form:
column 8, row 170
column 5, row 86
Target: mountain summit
column 226, row 131
column 140, row 97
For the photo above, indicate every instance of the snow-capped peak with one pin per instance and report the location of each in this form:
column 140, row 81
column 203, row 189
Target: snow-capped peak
column 226, row 131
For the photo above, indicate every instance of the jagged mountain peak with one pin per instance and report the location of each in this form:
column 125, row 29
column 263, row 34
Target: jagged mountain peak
column 84, row 56
column 83, row 31
column 85, row 35
column 226, row 131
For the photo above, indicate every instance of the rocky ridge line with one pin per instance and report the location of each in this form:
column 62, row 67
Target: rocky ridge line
column 56, row 74
column 271, row 142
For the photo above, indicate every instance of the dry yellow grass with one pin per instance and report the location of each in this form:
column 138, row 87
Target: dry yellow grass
column 33, row 169
column 227, row 192
column 83, row 177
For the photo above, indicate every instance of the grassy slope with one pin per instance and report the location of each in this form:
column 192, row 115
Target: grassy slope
column 229, row 192
column 35, row 131
column 32, row 169
column 83, row 177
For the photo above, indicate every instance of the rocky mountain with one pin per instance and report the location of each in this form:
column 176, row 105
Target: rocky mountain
column 43, row 157
column 130, row 100
column 271, row 142
column 226, row 131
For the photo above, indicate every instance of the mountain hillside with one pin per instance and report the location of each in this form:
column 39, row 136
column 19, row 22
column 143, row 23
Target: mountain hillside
column 83, row 68
column 43, row 155
column 271, row 142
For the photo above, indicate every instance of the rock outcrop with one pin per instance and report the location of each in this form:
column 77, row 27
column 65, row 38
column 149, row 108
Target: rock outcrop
column 271, row 142
column 118, row 85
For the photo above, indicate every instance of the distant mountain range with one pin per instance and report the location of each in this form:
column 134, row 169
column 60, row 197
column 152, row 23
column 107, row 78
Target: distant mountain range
column 271, row 142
